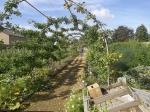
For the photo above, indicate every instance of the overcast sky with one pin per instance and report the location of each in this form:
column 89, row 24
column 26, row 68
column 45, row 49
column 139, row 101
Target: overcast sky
column 113, row 13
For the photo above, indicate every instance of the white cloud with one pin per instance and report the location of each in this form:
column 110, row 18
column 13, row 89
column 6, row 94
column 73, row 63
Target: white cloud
column 38, row 1
column 43, row 5
column 90, row 22
column 47, row 2
column 148, row 28
column 97, row 8
column 27, row 26
column 103, row 13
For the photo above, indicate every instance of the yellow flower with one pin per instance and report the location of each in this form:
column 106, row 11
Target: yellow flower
column 17, row 93
column 120, row 55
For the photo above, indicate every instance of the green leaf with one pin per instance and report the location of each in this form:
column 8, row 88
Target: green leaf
column 14, row 107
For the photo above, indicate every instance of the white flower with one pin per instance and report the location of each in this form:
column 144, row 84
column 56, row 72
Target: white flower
column 72, row 106
column 55, row 43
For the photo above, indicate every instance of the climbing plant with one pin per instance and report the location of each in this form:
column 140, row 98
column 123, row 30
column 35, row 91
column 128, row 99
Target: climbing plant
column 98, row 59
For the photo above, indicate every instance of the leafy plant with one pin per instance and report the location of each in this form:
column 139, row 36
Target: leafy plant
column 2, row 46
column 139, row 77
column 23, row 64
column 98, row 60
column 75, row 102
column 13, row 91
column 24, row 68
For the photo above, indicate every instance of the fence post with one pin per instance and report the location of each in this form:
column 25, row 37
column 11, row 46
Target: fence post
column 85, row 98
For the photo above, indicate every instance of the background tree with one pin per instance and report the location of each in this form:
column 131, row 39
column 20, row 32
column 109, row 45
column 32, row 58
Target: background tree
column 122, row 33
column 142, row 33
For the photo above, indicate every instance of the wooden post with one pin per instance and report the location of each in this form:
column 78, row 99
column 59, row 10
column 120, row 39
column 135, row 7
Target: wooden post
column 86, row 103
column 86, row 98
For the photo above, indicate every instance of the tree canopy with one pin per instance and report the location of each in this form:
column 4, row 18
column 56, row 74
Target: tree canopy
column 142, row 33
column 122, row 33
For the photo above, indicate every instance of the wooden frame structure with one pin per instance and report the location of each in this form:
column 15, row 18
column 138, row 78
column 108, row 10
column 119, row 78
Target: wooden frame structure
column 139, row 100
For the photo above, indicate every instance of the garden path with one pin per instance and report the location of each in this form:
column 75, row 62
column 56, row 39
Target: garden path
column 61, row 86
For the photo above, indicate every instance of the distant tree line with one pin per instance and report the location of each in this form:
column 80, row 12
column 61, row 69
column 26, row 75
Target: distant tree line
column 124, row 33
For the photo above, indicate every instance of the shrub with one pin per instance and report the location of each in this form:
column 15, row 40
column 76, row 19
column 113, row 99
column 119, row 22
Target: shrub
column 133, row 54
column 23, row 69
column 139, row 77
column 13, row 91
column 2, row 46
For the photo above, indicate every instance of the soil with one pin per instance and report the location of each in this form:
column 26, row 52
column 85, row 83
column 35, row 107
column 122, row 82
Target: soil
column 54, row 99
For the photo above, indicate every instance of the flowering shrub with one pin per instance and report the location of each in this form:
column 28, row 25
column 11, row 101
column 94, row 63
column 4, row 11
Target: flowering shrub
column 75, row 102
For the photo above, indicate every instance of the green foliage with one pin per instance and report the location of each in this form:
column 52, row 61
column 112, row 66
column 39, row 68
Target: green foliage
column 142, row 33
column 27, row 55
column 23, row 60
column 91, row 35
column 99, row 63
column 139, row 77
column 14, row 60
column 94, row 108
column 23, row 67
column 13, row 91
column 30, row 33
column 98, row 60
column 21, row 74
column 123, row 33
column 75, row 102
column 133, row 54
column 11, row 7
column 2, row 46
